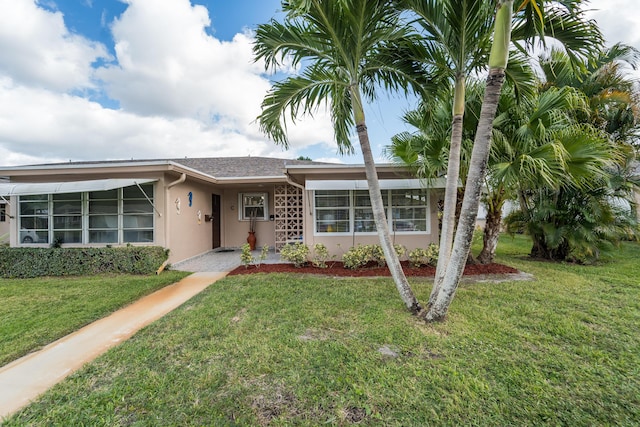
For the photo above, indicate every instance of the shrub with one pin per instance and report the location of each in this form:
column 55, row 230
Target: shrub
column 400, row 250
column 424, row 256
column 264, row 253
column 361, row 255
column 246, row 257
column 295, row 253
column 38, row 262
column 320, row 256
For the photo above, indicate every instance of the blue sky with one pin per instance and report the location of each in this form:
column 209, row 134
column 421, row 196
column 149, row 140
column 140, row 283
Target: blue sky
column 111, row 79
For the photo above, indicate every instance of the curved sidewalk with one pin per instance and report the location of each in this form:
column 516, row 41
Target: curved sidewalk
column 26, row 378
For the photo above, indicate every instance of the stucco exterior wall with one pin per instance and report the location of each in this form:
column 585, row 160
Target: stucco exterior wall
column 188, row 234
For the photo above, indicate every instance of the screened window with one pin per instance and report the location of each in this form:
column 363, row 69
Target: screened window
column 34, row 219
column 344, row 211
column 67, row 217
column 3, row 212
column 123, row 215
column 137, row 214
column 253, row 204
column 103, row 216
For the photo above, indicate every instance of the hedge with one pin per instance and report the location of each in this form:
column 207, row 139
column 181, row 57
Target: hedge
column 38, row 262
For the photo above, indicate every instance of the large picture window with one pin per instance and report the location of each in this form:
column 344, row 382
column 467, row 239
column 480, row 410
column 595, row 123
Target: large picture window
column 348, row 211
column 122, row 215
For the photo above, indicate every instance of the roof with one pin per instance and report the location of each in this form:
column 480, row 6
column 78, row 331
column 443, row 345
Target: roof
column 215, row 167
column 225, row 167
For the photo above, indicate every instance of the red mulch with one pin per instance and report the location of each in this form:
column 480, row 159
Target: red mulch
column 337, row 269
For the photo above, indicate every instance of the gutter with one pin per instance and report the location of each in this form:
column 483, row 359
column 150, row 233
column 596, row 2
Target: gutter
column 180, row 180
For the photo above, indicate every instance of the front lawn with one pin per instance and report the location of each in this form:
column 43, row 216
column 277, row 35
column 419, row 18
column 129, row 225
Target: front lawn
column 36, row 312
column 305, row 350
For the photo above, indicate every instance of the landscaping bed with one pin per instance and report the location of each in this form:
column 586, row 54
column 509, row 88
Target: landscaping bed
column 337, row 269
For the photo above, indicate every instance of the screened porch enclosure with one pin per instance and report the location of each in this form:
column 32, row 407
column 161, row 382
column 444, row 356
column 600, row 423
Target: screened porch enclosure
column 115, row 216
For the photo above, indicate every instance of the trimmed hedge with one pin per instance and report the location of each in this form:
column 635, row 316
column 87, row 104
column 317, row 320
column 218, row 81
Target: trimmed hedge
column 38, row 262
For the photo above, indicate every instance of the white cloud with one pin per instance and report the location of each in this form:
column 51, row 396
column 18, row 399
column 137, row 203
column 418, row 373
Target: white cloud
column 619, row 21
column 181, row 91
column 38, row 50
column 38, row 126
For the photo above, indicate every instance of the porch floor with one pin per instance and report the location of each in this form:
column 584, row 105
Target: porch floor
column 221, row 260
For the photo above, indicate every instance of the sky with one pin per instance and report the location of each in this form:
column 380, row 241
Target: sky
column 150, row 79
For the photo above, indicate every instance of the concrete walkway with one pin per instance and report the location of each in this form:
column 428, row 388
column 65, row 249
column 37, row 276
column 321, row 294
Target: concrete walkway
column 25, row 379
column 221, row 260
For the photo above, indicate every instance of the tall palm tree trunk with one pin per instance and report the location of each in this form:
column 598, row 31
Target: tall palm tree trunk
column 451, row 189
column 478, row 163
column 379, row 216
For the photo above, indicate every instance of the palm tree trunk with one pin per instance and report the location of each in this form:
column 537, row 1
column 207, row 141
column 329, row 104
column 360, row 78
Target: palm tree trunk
column 491, row 229
column 478, row 163
column 451, row 189
column 379, row 216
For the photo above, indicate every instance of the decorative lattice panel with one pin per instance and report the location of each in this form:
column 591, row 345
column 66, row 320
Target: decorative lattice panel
column 288, row 214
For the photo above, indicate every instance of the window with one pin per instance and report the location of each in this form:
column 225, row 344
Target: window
column 253, row 204
column 346, row 211
column 67, row 217
column 137, row 214
column 332, row 211
column 3, row 212
column 34, row 219
column 123, row 215
column 103, row 216
column 409, row 210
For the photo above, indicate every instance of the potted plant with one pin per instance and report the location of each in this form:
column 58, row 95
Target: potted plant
column 251, row 239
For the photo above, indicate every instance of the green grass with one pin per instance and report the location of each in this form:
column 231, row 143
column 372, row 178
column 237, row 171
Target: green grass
column 36, row 312
column 286, row 350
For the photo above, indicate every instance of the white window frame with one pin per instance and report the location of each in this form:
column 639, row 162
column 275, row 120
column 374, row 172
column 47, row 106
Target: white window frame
column 241, row 206
column 388, row 211
column 120, row 229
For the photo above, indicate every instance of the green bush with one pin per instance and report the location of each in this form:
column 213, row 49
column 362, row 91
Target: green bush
column 246, row 256
column 295, row 253
column 320, row 256
column 361, row 255
column 424, row 256
column 38, row 262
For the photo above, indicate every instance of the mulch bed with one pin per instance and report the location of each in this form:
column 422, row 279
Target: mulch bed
column 338, row 269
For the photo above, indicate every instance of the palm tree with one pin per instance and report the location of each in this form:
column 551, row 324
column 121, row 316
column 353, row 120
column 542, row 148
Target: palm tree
column 350, row 48
column 533, row 22
column 575, row 219
column 524, row 153
column 457, row 35
column 613, row 97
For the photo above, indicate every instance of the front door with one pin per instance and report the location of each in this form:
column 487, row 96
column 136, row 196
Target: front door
column 215, row 220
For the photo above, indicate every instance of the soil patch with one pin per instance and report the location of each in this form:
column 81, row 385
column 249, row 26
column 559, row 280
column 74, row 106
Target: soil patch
column 337, row 269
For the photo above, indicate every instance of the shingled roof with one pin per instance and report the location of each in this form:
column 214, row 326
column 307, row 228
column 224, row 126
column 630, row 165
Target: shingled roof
column 239, row 167
column 218, row 167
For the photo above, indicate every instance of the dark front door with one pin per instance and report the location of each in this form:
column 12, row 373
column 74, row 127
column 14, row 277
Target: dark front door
column 215, row 220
